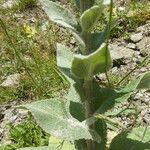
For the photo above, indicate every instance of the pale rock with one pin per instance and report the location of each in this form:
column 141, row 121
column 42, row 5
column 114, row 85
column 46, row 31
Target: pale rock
column 11, row 81
column 111, row 135
column 121, row 8
column 144, row 45
column 118, row 52
column 136, row 37
column 146, row 118
column 131, row 45
column 9, row 4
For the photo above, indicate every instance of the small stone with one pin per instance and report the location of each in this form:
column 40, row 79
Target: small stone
column 32, row 20
column 140, row 29
column 146, row 118
column 136, row 37
column 144, row 46
column 131, row 45
column 121, row 8
column 118, row 52
column 11, row 81
column 111, row 135
column 8, row 4
column 144, row 111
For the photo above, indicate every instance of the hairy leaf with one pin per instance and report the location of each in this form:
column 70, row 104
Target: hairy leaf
column 98, row 38
column 90, row 16
column 113, row 98
column 58, row 14
column 145, row 82
column 101, row 128
column 64, row 60
column 39, row 148
column 142, row 82
column 64, row 56
column 54, row 119
column 87, row 66
column 77, row 3
column 75, row 93
column 60, row 144
column 137, row 139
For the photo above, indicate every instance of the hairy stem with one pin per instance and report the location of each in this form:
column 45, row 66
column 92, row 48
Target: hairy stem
column 107, row 38
column 86, row 4
column 88, row 83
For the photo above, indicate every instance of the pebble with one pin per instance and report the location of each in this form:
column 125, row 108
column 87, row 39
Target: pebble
column 144, row 46
column 146, row 118
column 131, row 45
column 136, row 37
column 11, row 81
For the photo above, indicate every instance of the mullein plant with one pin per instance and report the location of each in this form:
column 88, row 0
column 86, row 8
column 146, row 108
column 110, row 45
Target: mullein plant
column 79, row 120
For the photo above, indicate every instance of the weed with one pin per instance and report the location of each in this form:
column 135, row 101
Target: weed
column 26, row 134
column 82, row 115
column 25, row 4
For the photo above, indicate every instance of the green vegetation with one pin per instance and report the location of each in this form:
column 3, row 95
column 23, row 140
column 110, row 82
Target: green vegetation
column 25, row 4
column 79, row 118
column 26, row 134
column 82, row 115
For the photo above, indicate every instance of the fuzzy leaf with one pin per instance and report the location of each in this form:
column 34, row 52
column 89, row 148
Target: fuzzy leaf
column 87, row 66
column 58, row 14
column 90, row 16
column 113, row 98
column 53, row 118
column 77, row 3
column 75, row 93
column 137, row 139
column 98, row 38
column 110, row 99
column 39, row 148
column 142, row 82
column 58, row 144
column 64, row 56
column 64, row 60
column 145, row 82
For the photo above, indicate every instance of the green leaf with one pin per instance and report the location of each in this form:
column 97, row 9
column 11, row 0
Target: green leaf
column 58, row 14
column 77, row 3
column 101, row 129
column 39, row 148
column 87, row 66
column 142, row 82
column 81, row 145
column 145, row 82
column 60, row 144
column 64, row 60
column 53, row 118
column 98, row 38
column 90, row 16
column 112, row 102
column 113, row 98
column 80, row 41
column 75, row 93
column 136, row 139
column 64, row 56
column 107, row 98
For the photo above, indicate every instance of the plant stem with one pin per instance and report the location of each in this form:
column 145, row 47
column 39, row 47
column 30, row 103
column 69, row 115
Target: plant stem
column 88, row 83
column 86, row 4
column 107, row 39
column 89, row 108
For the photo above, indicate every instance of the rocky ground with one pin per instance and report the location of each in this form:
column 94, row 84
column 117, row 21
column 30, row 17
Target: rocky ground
column 127, row 54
